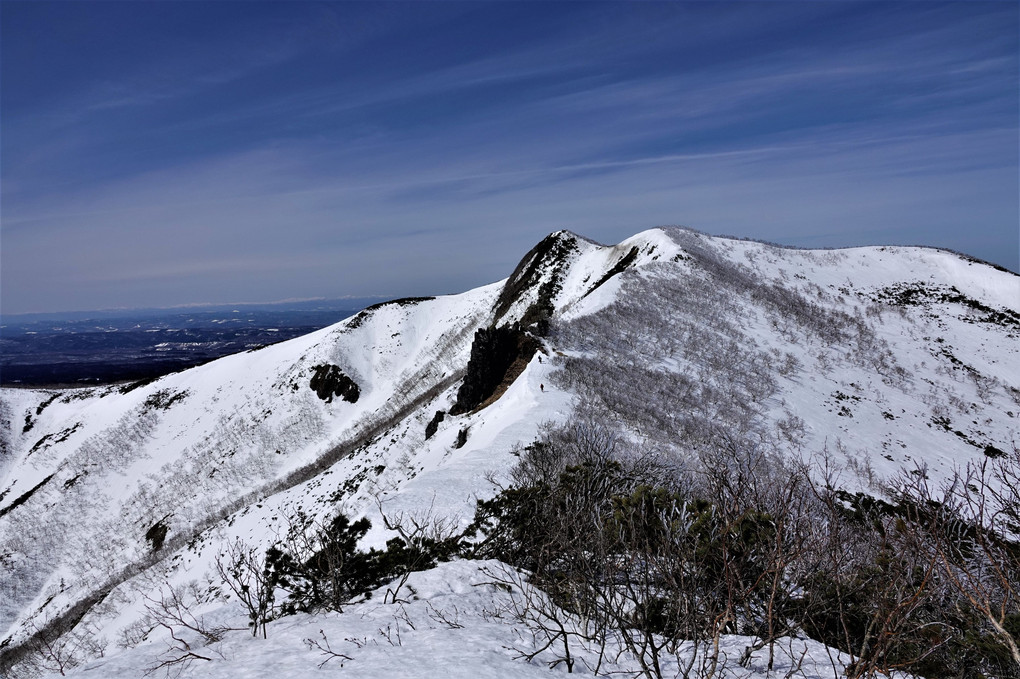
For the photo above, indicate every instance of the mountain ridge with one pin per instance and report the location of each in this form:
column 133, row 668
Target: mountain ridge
column 806, row 351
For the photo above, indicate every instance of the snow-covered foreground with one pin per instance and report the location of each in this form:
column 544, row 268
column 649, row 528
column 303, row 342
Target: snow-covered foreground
column 457, row 620
column 879, row 359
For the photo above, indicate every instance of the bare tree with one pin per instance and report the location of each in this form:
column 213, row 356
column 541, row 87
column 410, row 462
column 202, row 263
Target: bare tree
column 423, row 538
column 52, row 652
column 173, row 610
column 555, row 633
column 243, row 569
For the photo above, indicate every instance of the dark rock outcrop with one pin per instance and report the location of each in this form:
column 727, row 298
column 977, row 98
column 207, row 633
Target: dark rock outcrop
column 432, row 427
column 494, row 352
column 329, row 381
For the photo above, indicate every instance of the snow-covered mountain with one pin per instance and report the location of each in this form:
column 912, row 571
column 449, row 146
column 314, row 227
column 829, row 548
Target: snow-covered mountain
column 869, row 360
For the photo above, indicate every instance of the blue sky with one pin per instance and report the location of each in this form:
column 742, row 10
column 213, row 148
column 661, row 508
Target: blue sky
column 157, row 154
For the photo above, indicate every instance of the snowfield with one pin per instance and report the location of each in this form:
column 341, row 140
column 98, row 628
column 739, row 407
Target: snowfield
column 874, row 360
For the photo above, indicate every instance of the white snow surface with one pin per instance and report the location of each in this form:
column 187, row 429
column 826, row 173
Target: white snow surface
column 451, row 621
column 223, row 450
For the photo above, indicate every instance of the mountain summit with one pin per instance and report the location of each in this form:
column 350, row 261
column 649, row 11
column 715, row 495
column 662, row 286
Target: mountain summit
column 866, row 361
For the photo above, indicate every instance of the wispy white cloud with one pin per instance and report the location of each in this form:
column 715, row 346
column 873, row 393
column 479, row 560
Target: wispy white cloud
column 246, row 233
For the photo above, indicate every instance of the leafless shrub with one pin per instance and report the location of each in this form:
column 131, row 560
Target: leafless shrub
column 173, row 609
column 792, row 428
column 553, row 631
column 242, row 568
column 326, row 650
column 448, row 619
column 424, row 538
column 972, row 523
column 55, row 653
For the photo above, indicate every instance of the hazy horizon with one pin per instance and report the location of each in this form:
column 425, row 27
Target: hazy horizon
column 356, row 301
column 351, row 302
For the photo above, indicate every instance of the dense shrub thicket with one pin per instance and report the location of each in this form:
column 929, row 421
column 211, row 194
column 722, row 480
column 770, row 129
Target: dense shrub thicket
column 318, row 566
column 739, row 541
column 744, row 543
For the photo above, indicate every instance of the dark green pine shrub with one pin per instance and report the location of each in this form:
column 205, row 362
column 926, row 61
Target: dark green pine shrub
column 338, row 572
column 333, row 575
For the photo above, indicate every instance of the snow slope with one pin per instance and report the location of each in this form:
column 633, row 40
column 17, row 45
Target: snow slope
column 877, row 358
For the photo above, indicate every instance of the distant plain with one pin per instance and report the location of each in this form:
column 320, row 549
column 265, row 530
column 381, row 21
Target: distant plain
column 102, row 347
